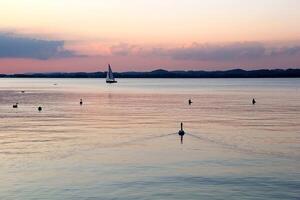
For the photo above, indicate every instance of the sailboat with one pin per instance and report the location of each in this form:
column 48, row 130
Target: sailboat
column 109, row 76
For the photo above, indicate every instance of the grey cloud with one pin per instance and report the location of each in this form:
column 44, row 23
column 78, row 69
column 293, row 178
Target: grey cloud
column 12, row 46
column 288, row 51
column 234, row 51
column 219, row 52
column 209, row 52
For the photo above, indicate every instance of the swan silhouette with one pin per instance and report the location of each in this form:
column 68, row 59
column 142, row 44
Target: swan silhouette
column 181, row 133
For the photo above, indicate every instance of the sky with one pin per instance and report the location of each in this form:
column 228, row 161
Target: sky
column 144, row 35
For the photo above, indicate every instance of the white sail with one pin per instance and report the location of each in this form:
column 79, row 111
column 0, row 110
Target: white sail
column 109, row 76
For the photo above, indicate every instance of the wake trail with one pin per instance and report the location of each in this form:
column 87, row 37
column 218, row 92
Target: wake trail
column 238, row 148
column 143, row 139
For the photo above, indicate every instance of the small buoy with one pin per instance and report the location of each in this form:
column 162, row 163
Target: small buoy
column 39, row 108
column 15, row 105
column 181, row 133
column 81, row 102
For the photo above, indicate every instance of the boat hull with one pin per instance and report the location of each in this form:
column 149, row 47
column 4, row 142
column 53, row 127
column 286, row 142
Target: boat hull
column 111, row 81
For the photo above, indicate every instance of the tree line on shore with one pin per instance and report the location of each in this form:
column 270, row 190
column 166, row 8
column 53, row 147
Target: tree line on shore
column 160, row 73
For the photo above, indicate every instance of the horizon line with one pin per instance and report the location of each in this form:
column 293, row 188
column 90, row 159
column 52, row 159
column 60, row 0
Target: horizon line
column 158, row 69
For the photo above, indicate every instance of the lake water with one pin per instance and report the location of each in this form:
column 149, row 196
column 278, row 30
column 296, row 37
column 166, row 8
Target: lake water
column 122, row 142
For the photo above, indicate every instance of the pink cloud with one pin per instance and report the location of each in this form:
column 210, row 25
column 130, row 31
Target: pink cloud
column 63, row 56
column 137, row 63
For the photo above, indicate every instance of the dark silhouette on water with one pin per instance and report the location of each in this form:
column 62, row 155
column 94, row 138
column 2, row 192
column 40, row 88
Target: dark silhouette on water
column 190, row 102
column 23, row 91
column 253, row 101
column 81, row 102
column 15, row 105
column 181, row 133
column 109, row 76
column 40, row 108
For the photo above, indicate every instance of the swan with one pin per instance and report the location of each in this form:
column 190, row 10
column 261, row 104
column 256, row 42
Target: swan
column 181, row 133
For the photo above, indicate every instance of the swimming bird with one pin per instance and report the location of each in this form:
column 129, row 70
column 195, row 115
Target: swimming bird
column 23, row 91
column 40, row 108
column 81, row 102
column 253, row 101
column 15, row 105
column 181, row 133
column 190, row 102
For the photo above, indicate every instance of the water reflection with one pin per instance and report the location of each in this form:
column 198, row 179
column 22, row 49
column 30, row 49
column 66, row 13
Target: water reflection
column 123, row 140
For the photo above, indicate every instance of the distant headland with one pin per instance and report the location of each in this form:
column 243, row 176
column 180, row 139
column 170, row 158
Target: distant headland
column 160, row 73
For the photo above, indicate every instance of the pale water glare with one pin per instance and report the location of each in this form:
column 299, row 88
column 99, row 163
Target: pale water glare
column 121, row 143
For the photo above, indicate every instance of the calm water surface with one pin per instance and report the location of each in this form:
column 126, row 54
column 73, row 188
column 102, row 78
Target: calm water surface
column 121, row 144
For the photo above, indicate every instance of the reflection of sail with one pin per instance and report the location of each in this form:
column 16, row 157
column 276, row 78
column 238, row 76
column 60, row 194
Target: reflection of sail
column 109, row 76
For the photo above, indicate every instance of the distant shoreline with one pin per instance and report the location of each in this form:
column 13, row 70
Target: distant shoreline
column 160, row 73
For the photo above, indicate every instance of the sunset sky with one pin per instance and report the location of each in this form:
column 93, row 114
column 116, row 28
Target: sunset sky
column 143, row 35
